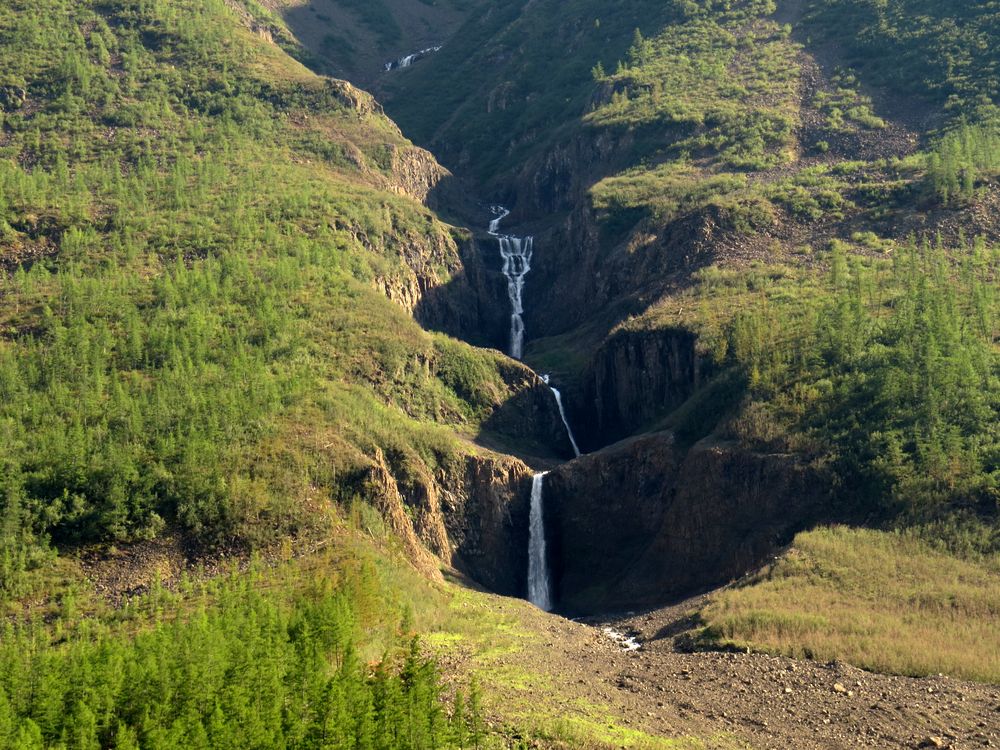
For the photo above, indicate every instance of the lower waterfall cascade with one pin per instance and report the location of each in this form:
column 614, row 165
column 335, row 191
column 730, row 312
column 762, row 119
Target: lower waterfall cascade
column 539, row 584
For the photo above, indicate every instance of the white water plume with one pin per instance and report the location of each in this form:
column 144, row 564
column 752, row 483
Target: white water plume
column 408, row 60
column 516, row 253
column 624, row 642
column 539, row 586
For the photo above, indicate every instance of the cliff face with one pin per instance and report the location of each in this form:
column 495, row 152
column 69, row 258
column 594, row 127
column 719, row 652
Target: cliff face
column 530, row 417
column 635, row 378
column 682, row 520
column 445, row 283
column 486, row 515
column 642, row 521
column 616, row 272
column 471, row 513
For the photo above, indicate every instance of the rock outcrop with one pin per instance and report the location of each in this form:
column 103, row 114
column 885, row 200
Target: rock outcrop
column 635, row 378
column 471, row 305
column 646, row 520
column 471, row 513
column 529, row 420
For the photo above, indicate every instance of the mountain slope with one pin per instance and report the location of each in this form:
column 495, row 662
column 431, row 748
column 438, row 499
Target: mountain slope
column 227, row 310
column 203, row 238
column 725, row 177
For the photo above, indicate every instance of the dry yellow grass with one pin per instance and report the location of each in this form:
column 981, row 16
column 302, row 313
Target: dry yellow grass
column 881, row 601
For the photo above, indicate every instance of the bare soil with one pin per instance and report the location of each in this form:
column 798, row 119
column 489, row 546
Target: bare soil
column 749, row 699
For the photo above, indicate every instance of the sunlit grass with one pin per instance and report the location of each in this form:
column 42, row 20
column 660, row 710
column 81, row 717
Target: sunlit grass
column 882, row 601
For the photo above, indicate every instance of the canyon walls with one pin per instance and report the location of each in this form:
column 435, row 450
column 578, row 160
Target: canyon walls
column 647, row 520
column 635, row 378
column 470, row 513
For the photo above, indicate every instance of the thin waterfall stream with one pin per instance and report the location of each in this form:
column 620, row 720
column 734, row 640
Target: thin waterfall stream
column 562, row 414
column 539, row 585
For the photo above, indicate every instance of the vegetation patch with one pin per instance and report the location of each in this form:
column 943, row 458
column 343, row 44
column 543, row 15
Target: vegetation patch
column 887, row 602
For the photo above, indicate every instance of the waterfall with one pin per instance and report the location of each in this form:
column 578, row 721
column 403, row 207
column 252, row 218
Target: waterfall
column 539, row 590
column 408, row 60
column 500, row 213
column 516, row 253
column 562, row 414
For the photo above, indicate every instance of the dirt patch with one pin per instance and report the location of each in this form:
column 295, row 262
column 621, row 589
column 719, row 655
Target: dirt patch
column 739, row 699
column 126, row 571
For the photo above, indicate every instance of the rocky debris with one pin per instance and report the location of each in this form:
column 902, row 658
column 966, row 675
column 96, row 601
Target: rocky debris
column 755, row 700
column 122, row 572
column 933, row 742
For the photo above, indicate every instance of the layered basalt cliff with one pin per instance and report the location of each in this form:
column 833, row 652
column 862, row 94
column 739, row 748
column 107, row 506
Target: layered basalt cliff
column 636, row 378
column 471, row 513
column 647, row 520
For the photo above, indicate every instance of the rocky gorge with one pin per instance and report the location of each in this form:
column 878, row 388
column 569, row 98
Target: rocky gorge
column 645, row 517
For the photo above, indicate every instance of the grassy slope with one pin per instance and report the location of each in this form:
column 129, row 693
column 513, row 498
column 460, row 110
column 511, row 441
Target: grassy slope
column 514, row 80
column 191, row 226
column 355, row 38
column 356, row 593
column 943, row 55
column 884, row 602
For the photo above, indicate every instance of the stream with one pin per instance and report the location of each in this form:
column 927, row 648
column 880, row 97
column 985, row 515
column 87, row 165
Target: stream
column 516, row 253
column 408, row 60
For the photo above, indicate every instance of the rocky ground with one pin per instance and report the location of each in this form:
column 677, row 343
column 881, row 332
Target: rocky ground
column 735, row 699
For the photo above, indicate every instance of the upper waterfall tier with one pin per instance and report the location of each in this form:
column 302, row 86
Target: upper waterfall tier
column 516, row 253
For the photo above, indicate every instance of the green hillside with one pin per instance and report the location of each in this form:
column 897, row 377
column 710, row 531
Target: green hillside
column 193, row 233
column 193, row 224
column 259, row 472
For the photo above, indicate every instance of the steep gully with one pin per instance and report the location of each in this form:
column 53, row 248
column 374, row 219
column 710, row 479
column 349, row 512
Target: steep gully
column 640, row 518
column 516, row 253
column 642, row 521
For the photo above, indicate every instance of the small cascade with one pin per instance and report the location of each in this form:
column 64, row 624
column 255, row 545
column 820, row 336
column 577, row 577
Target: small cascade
column 562, row 414
column 500, row 213
column 539, row 587
column 408, row 60
column 516, row 253
column 627, row 643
